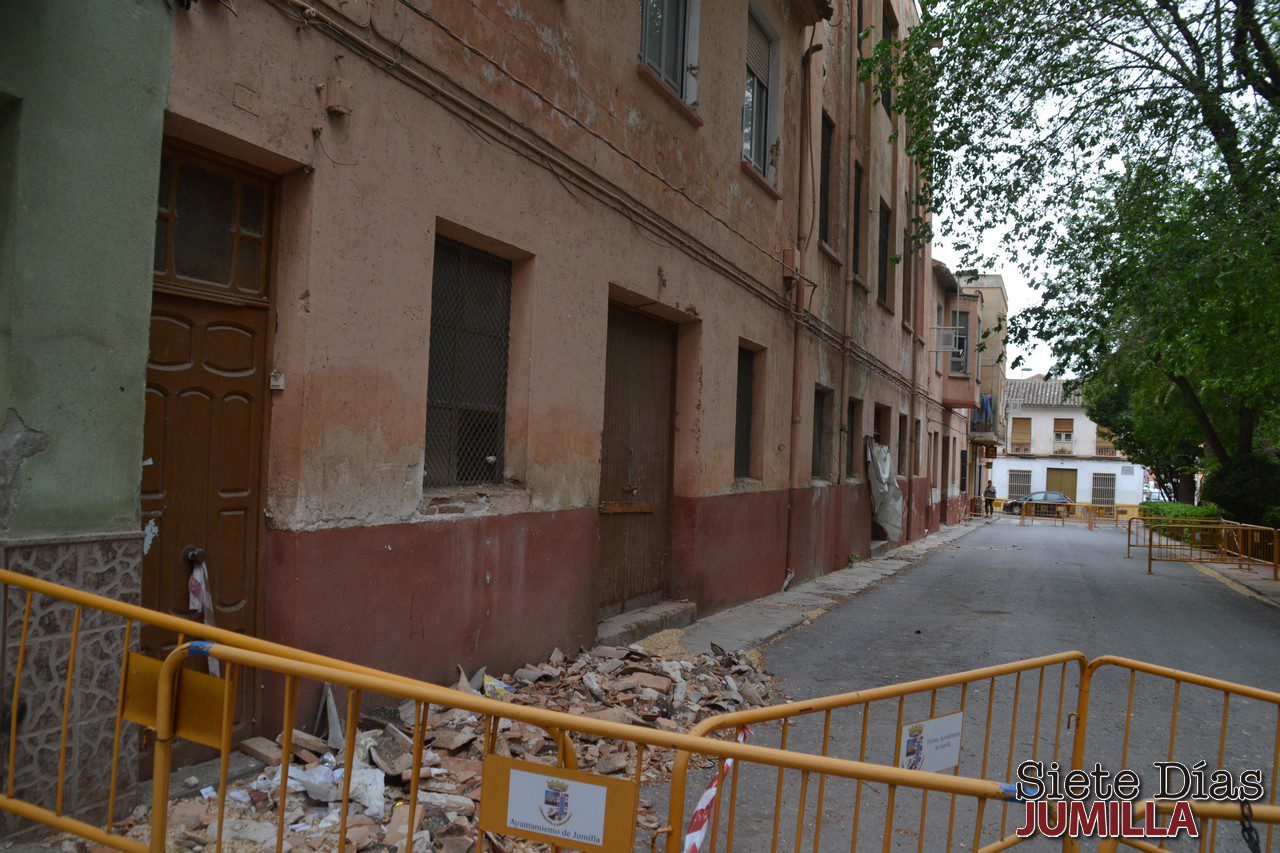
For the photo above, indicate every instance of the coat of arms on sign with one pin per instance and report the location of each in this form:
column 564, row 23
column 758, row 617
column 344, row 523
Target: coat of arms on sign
column 555, row 802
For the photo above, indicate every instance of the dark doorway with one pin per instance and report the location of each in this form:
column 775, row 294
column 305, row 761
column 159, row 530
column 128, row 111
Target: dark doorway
column 635, row 464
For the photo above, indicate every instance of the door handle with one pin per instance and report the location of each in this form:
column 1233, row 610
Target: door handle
column 193, row 555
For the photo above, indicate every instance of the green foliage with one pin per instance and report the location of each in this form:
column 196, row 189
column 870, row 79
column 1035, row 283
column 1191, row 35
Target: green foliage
column 1149, row 421
column 1247, row 487
column 1125, row 153
column 1171, row 509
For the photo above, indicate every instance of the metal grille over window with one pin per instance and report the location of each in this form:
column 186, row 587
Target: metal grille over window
column 467, row 373
column 1019, row 484
column 1104, row 489
column 663, row 43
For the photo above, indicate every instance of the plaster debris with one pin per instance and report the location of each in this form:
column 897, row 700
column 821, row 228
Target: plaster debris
column 623, row 684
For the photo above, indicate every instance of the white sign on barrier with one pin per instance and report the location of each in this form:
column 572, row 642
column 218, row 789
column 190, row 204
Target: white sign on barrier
column 932, row 744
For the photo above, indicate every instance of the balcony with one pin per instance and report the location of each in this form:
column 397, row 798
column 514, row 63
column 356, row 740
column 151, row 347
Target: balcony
column 1104, row 450
column 1063, row 448
column 1019, row 448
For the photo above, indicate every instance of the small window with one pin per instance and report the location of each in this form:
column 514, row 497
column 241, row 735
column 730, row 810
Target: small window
column 902, row 444
column 853, row 450
column 883, row 292
column 908, row 274
column 743, row 438
column 467, row 370
column 915, row 448
column 889, row 27
column 1063, row 430
column 1105, row 443
column 824, row 180
column 755, row 104
column 663, row 40
column 960, row 352
column 1020, row 436
column 882, row 426
column 1019, row 485
column 859, row 206
column 1104, row 489
column 821, row 432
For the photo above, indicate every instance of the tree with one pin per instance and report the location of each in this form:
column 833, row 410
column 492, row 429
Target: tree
column 1149, row 424
column 1165, row 279
column 1016, row 110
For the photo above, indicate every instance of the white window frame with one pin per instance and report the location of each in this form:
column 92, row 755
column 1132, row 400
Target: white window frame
column 687, row 91
column 773, row 110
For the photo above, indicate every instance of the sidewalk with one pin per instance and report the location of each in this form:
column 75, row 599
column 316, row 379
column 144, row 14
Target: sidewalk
column 1257, row 584
column 757, row 622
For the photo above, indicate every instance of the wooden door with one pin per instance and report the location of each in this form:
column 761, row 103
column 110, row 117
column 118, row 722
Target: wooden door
column 635, row 468
column 204, row 427
column 1061, row 480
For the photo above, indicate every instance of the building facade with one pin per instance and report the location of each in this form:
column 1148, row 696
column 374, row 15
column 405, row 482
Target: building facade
column 1053, row 446
column 987, row 421
column 468, row 324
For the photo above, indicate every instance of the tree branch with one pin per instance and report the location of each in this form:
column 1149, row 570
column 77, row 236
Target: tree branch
column 1211, row 438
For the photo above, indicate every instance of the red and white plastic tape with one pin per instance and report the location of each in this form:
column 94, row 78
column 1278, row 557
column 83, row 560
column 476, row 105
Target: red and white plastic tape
column 701, row 817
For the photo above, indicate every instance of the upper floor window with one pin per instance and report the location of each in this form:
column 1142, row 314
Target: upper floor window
column 960, row 348
column 883, row 291
column 467, row 366
column 755, row 104
column 663, row 49
column 825, row 179
column 889, row 31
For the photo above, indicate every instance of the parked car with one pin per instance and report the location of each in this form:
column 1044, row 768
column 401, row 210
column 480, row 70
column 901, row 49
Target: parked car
column 1014, row 507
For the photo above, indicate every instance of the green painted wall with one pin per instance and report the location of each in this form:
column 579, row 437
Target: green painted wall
column 82, row 96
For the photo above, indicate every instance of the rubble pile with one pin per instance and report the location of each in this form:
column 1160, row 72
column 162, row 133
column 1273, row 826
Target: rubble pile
column 625, row 685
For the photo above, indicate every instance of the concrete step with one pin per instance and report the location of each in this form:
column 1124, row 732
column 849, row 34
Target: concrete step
column 879, row 547
column 625, row 628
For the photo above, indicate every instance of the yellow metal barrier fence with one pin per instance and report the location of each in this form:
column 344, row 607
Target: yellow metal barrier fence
column 1136, row 528
column 1133, row 714
column 995, row 708
column 498, row 803
column 1247, row 547
column 65, row 636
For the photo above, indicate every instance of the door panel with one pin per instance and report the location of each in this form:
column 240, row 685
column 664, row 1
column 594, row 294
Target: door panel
column 1061, row 480
column 635, row 470
column 203, row 436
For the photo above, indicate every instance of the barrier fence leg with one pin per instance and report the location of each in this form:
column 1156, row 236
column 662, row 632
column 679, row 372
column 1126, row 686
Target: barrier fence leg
column 1149, row 547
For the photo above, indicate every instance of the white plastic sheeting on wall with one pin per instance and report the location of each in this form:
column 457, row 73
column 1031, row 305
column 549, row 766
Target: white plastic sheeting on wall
column 886, row 496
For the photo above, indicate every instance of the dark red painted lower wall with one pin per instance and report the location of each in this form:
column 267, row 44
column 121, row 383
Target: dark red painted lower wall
column 420, row 599
column 728, row 549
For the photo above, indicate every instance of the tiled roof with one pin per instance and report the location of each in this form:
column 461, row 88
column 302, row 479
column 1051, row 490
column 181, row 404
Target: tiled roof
column 1038, row 391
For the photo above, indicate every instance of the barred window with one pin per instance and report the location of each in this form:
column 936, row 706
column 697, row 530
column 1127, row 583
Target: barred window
column 467, row 372
column 1019, row 484
column 1104, row 489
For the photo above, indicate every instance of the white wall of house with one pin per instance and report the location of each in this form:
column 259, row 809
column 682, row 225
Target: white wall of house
column 1082, row 456
column 1129, row 477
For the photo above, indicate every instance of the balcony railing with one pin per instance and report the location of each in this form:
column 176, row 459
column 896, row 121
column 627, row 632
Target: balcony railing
column 1104, row 450
column 1063, row 448
column 983, row 425
column 1020, row 447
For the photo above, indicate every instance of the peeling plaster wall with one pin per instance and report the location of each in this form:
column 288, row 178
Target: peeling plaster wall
column 82, row 90
column 353, row 280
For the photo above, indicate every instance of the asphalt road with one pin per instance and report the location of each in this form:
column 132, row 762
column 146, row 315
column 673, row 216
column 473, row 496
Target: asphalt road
column 1001, row 594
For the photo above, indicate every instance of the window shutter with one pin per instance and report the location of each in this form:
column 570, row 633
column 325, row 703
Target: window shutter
column 1022, row 430
column 757, row 49
column 1064, row 425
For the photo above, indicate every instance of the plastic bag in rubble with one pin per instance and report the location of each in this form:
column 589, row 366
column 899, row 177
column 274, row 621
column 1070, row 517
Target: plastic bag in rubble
column 367, row 787
column 322, row 782
column 495, row 689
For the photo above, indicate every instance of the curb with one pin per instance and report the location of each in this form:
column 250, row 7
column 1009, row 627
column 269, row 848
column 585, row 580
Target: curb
column 756, row 623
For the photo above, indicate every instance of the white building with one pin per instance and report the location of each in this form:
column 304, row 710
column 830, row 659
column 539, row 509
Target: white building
column 1051, row 445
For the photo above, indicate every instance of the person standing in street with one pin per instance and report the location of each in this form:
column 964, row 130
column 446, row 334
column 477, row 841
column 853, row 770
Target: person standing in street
column 989, row 498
